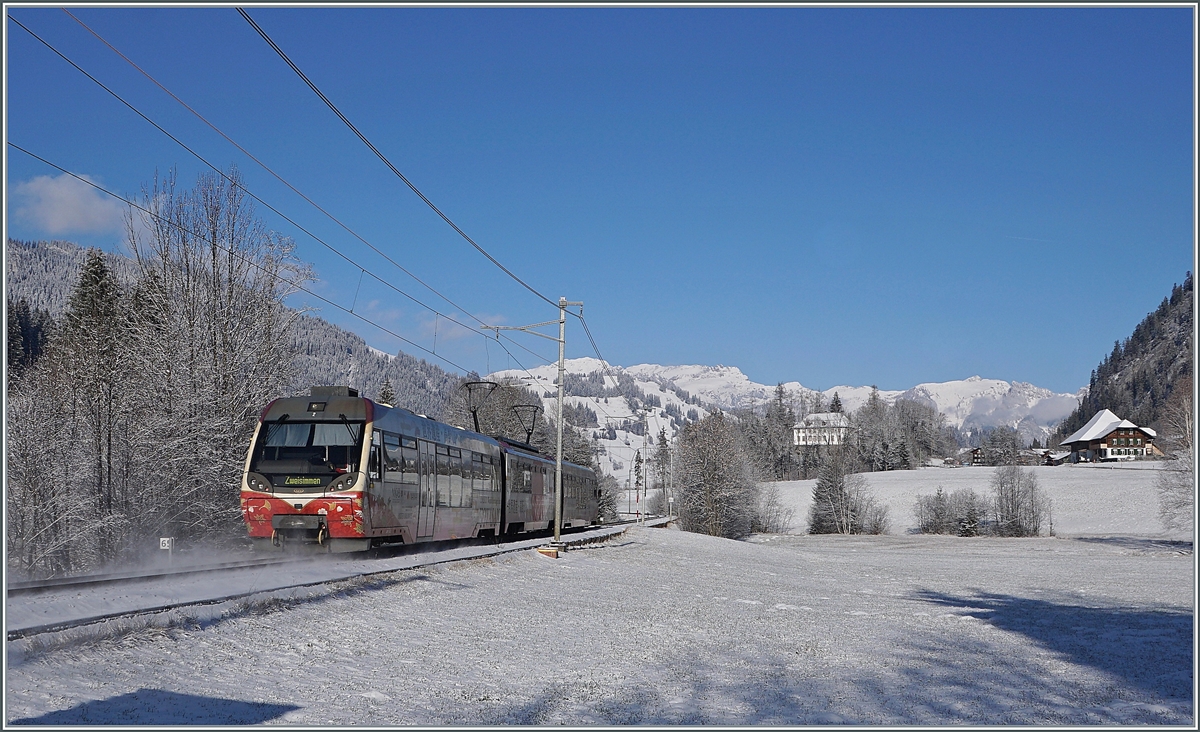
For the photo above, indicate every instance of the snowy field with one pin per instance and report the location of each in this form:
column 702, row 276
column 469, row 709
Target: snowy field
column 660, row 626
column 1088, row 500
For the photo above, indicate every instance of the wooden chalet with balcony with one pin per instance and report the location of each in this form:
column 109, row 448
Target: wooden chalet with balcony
column 1108, row 438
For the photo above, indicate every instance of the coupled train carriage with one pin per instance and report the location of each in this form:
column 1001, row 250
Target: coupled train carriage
column 343, row 472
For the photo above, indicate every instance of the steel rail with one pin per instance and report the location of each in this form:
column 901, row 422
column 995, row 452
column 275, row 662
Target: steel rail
column 47, row 585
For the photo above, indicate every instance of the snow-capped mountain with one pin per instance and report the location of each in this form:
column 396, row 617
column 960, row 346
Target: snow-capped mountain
column 975, row 403
column 670, row 396
column 721, row 386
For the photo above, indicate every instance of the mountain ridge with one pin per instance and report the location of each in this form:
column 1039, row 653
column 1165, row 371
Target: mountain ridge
column 666, row 394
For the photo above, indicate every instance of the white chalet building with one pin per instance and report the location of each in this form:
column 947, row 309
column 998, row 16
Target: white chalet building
column 822, row 428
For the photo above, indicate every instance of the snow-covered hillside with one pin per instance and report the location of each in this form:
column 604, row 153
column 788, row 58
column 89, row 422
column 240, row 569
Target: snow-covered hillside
column 622, row 400
column 670, row 396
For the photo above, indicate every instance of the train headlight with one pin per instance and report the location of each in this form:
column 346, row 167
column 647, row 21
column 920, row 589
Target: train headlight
column 344, row 483
column 256, row 482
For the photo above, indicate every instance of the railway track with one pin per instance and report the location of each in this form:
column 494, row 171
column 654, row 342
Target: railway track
column 314, row 574
column 68, row 583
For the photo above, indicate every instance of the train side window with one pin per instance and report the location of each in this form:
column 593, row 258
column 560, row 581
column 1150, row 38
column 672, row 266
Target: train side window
column 489, row 474
column 392, row 459
column 408, row 463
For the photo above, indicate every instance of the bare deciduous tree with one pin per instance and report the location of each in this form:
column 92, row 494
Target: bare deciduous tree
column 1019, row 507
column 212, row 339
column 715, row 485
column 137, row 419
column 772, row 515
column 1176, row 481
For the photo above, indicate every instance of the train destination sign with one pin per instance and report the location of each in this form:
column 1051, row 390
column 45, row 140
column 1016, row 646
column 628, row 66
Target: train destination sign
column 294, row 480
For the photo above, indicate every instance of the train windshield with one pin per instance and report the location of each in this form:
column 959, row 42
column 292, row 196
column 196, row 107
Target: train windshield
column 308, row 448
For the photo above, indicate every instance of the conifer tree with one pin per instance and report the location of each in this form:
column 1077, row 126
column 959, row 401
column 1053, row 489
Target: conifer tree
column 16, row 343
column 94, row 366
column 831, row 512
column 387, row 395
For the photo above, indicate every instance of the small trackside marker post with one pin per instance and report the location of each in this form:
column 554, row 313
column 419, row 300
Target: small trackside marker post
column 550, row 551
column 168, row 543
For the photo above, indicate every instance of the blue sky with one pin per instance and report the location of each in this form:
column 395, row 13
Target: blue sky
column 853, row 196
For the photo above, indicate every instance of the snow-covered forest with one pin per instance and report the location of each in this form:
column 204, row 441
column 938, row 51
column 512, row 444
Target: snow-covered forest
column 134, row 417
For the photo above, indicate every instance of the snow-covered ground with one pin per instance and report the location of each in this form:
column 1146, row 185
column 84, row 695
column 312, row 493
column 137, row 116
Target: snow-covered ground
column 660, row 626
column 1088, row 499
column 25, row 612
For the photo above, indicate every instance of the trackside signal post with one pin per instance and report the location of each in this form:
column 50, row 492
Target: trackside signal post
column 563, row 304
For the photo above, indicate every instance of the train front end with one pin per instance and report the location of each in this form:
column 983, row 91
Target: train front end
column 306, row 473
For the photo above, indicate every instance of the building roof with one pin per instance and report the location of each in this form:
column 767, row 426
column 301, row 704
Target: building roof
column 825, row 419
column 1102, row 424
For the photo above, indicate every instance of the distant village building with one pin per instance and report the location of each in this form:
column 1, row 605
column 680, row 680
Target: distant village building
column 1055, row 457
column 1031, row 456
column 1106, row 437
column 970, row 456
column 822, row 428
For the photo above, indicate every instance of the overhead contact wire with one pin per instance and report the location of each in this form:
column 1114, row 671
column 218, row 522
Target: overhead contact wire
column 282, row 215
column 387, row 162
column 295, row 190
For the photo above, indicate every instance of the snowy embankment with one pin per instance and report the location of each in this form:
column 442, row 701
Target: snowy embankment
column 1088, row 500
column 664, row 627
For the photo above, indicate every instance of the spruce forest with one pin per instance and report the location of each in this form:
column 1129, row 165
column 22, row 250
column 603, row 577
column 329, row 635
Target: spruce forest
column 1136, row 380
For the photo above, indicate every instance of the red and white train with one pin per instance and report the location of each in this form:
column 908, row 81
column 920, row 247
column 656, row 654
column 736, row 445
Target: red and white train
column 346, row 473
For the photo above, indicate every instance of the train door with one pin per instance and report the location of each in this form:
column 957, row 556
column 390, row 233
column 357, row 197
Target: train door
column 428, row 506
column 444, row 515
column 537, row 512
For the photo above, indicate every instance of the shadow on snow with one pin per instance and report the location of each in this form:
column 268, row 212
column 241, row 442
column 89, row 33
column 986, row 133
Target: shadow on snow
column 935, row 675
column 1148, row 648
column 158, row 707
column 1138, row 544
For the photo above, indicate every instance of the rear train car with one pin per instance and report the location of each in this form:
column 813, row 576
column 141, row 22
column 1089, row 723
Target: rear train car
column 529, row 491
column 342, row 472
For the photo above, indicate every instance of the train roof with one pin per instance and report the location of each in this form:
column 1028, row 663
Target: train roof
column 522, row 446
column 332, row 402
